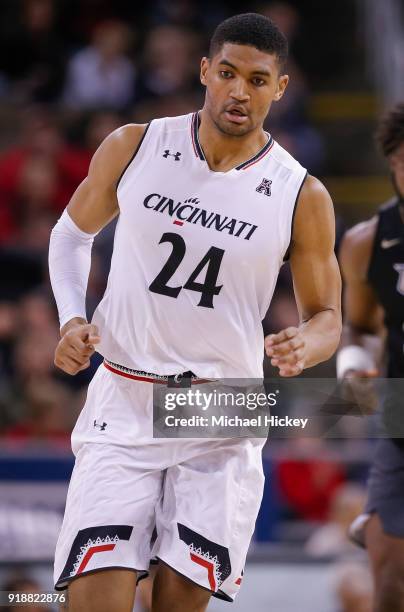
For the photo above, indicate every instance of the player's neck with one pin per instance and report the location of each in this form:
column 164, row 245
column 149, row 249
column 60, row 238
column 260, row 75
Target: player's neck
column 224, row 152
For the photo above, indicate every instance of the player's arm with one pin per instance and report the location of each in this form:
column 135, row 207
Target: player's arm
column 363, row 324
column 316, row 283
column 93, row 205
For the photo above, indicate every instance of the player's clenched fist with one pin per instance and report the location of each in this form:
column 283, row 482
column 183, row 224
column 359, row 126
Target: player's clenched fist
column 287, row 350
column 76, row 346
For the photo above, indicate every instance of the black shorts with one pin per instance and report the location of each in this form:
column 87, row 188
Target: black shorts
column 386, row 485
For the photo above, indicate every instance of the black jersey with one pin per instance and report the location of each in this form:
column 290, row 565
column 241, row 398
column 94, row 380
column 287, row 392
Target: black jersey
column 386, row 276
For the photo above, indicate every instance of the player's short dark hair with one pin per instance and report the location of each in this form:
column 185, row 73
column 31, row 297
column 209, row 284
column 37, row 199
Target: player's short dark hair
column 251, row 29
column 390, row 132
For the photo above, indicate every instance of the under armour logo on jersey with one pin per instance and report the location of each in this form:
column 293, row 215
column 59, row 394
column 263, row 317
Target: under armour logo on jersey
column 175, row 155
column 264, row 187
column 101, row 427
column 399, row 267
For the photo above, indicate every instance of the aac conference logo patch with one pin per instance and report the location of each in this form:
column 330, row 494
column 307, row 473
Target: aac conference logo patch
column 264, row 187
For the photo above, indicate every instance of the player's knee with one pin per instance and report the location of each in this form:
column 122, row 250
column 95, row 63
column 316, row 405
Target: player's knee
column 176, row 593
column 182, row 585
column 102, row 592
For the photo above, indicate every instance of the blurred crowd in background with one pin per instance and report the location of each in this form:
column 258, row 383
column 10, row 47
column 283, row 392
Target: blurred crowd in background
column 71, row 71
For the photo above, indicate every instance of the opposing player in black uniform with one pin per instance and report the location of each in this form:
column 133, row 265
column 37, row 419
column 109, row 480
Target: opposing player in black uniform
column 372, row 262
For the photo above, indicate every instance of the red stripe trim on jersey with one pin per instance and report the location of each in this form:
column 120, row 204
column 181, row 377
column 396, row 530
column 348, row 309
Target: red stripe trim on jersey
column 209, row 566
column 92, row 551
column 255, row 161
column 178, row 222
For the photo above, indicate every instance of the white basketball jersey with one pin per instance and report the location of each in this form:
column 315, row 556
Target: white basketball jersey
column 196, row 255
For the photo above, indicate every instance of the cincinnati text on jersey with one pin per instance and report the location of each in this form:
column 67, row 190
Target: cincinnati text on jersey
column 183, row 211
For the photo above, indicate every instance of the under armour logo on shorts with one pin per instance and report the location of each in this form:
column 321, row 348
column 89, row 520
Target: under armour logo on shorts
column 175, row 155
column 264, row 187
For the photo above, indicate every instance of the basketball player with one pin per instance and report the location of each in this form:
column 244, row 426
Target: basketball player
column 372, row 262
column 206, row 206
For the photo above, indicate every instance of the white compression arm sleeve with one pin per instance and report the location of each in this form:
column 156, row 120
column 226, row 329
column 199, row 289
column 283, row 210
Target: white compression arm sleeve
column 69, row 267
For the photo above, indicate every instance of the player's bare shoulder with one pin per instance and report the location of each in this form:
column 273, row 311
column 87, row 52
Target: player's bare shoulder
column 314, row 222
column 116, row 151
column 356, row 249
column 95, row 203
column 314, row 197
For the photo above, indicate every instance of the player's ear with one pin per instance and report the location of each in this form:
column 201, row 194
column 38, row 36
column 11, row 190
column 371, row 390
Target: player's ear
column 280, row 89
column 204, row 69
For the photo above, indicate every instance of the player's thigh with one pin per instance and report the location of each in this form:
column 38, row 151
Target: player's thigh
column 175, row 593
column 103, row 591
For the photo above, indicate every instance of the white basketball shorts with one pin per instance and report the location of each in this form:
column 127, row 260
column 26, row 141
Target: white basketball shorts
column 190, row 503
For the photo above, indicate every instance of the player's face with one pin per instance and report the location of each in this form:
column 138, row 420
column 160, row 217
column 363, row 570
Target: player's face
column 241, row 84
column 396, row 161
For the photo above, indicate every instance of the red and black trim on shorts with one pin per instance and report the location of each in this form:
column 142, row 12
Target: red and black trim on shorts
column 247, row 164
column 219, row 594
column 87, row 543
column 92, row 541
column 210, row 555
